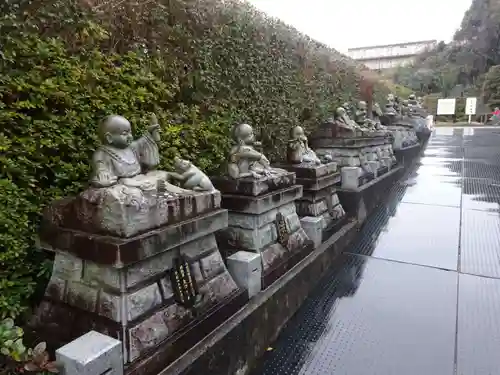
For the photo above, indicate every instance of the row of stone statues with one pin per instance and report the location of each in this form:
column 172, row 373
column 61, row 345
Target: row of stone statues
column 120, row 159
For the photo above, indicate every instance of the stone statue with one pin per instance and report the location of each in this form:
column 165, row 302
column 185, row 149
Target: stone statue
column 389, row 106
column 122, row 161
column 245, row 160
column 412, row 100
column 190, row 176
column 405, row 108
column 345, row 126
column 298, row 150
column 397, row 105
column 377, row 112
column 361, row 117
column 349, row 109
column 120, row 157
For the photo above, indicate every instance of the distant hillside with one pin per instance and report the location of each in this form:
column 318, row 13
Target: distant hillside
column 459, row 67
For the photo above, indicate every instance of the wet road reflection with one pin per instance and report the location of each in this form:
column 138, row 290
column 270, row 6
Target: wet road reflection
column 419, row 290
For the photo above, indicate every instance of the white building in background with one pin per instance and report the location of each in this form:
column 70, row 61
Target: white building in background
column 390, row 55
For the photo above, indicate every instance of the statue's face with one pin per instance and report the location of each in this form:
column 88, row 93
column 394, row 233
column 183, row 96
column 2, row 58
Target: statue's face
column 340, row 112
column 246, row 134
column 118, row 132
column 362, row 106
column 298, row 133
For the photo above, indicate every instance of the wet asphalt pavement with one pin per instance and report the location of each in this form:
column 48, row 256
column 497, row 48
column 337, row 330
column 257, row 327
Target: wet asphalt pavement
column 419, row 291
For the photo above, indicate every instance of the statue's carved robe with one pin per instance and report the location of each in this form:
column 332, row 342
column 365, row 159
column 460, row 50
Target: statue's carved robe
column 111, row 164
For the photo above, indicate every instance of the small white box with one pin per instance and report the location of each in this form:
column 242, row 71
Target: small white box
column 91, row 354
column 246, row 269
column 350, row 177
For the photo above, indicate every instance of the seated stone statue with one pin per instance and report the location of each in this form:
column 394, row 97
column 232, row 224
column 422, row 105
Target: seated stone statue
column 405, row 109
column 350, row 110
column 362, row 119
column 377, row 114
column 298, row 150
column 121, row 160
column 345, row 126
column 397, row 105
column 412, row 100
column 389, row 106
column 245, row 160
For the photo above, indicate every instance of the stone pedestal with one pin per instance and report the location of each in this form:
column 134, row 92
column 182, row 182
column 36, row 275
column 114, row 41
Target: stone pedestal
column 319, row 199
column 371, row 156
column 159, row 292
column 263, row 220
column 361, row 201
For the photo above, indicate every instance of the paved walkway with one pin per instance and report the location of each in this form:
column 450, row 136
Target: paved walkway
column 419, row 293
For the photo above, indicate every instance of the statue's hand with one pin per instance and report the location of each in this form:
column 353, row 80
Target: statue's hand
column 265, row 161
column 153, row 128
column 105, row 178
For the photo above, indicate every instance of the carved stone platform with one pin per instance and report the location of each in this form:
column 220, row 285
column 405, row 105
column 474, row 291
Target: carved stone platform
column 370, row 157
column 403, row 131
column 319, row 208
column 124, row 211
column 159, row 292
column 265, row 223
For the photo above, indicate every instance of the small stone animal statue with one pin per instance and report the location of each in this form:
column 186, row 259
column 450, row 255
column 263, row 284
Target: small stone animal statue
column 190, row 176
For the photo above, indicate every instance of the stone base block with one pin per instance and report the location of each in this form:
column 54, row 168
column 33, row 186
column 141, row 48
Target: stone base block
column 152, row 304
column 319, row 199
column 253, row 187
column 308, row 171
column 313, row 226
column 124, row 211
column 237, row 345
column 360, row 202
column 267, row 225
column 407, row 155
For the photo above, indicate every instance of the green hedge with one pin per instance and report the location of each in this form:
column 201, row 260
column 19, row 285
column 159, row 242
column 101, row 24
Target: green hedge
column 200, row 66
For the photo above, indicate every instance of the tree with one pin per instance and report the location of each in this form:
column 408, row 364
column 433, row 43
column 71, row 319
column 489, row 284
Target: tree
column 491, row 87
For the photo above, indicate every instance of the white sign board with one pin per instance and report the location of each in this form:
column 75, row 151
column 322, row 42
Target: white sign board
column 470, row 106
column 446, row 107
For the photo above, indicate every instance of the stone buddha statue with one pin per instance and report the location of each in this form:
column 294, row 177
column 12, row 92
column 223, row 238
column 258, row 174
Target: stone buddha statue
column 397, row 105
column 121, row 160
column 389, row 106
column 298, row 150
column 377, row 114
column 412, row 100
column 405, row 108
column 362, row 119
column 245, row 160
column 349, row 109
column 345, row 126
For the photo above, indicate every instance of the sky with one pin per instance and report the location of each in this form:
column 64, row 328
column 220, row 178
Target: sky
column 344, row 24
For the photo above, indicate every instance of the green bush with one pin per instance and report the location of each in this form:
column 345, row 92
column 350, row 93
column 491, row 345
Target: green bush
column 200, row 66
